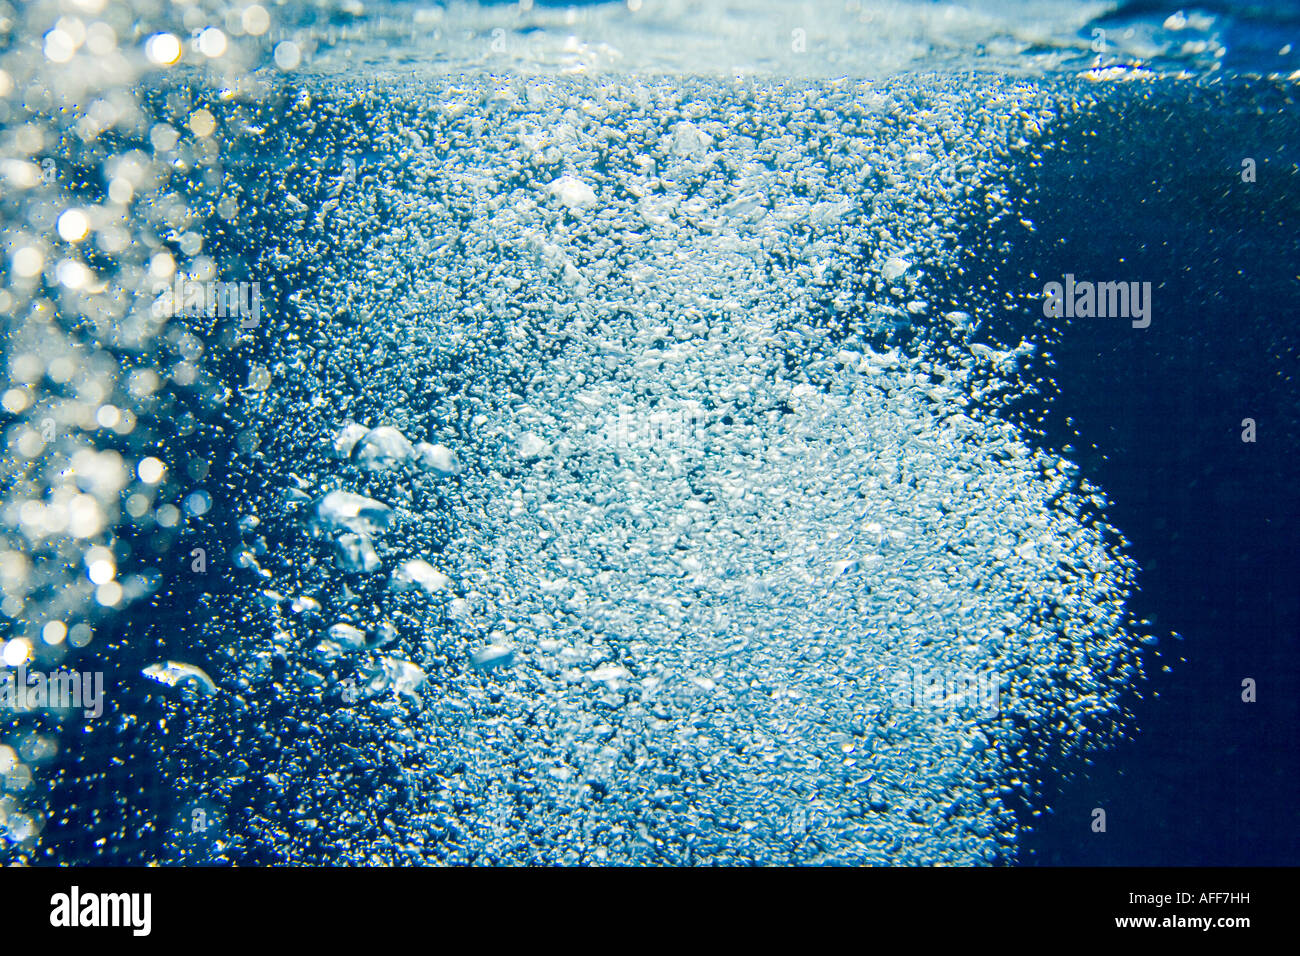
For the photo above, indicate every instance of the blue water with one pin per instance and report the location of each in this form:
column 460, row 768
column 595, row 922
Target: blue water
column 1211, row 519
column 445, row 248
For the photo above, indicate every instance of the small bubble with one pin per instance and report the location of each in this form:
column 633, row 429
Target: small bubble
column 255, row 20
column 151, row 470
column 16, row 652
column 288, row 56
column 163, row 49
column 212, row 44
column 202, row 123
column 109, row 595
column 28, row 261
column 73, row 225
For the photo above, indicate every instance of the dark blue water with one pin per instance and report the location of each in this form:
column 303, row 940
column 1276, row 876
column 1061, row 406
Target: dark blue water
column 1151, row 188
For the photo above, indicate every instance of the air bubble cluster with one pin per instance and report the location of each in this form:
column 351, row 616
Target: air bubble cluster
column 598, row 447
column 669, row 649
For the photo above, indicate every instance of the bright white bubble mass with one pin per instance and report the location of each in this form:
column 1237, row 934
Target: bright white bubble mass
column 686, row 639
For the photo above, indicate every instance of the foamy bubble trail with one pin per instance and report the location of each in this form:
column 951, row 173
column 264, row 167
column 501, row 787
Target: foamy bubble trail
column 595, row 520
